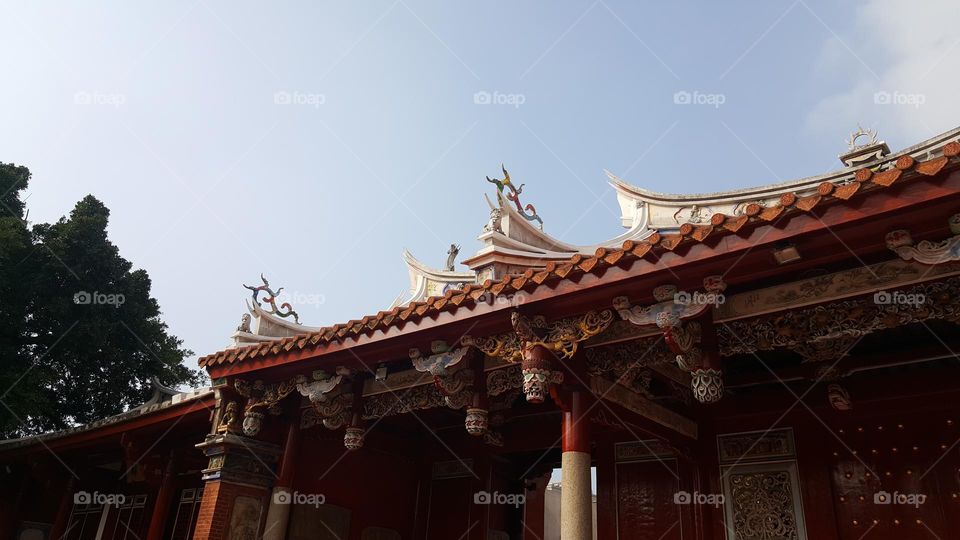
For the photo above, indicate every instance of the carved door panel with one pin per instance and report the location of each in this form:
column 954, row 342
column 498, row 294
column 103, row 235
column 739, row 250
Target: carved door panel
column 762, row 502
column 646, row 508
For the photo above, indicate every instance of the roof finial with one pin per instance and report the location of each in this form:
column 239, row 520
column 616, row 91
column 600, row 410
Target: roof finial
column 871, row 135
column 271, row 300
column 528, row 212
column 452, row 257
column 863, row 147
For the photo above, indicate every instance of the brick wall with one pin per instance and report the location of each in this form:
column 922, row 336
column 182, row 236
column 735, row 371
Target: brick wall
column 213, row 521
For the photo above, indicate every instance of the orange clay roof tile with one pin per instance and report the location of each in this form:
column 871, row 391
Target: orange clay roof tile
column 865, row 180
column 847, row 191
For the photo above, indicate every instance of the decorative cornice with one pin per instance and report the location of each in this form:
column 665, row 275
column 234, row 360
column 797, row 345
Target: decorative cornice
column 842, row 320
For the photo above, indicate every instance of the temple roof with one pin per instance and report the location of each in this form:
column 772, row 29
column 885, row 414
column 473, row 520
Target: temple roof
column 162, row 398
column 738, row 211
column 667, row 212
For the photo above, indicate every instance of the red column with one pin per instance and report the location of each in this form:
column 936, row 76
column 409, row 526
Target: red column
column 576, row 497
column 158, row 519
column 64, row 509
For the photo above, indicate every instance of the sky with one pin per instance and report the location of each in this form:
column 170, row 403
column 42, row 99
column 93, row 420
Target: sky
column 314, row 141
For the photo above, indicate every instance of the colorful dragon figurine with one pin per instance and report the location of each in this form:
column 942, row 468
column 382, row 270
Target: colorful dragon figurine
column 271, row 299
column 514, row 195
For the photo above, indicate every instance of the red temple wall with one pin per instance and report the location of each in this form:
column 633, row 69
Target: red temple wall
column 377, row 486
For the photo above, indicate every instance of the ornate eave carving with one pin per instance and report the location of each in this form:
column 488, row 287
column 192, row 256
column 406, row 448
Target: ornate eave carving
column 672, row 315
column 563, row 336
column 413, row 399
column 505, row 346
column 331, row 396
column 451, row 377
column 261, row 398
column 628, row 363
column 673, row 304
column 838, row 322
column 927, row 252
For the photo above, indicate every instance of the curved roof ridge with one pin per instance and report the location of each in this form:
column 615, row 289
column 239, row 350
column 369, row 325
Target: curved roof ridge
column 651, row 196
column 865, row 179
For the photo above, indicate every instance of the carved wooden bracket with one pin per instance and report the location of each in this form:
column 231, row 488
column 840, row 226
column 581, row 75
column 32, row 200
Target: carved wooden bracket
column 261, row 398
column 542, row 342
column 695, row 352
column 927, row 252
column 561, row 337
column 330, row 394
column 452, row 377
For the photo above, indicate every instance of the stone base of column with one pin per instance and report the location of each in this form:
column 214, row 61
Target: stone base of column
column 576, row 497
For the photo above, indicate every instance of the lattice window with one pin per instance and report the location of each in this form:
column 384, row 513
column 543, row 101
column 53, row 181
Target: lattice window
column 761, row 487
column 188, row 506
column 126, row 521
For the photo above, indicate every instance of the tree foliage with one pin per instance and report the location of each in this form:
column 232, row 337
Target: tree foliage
column 80, row 335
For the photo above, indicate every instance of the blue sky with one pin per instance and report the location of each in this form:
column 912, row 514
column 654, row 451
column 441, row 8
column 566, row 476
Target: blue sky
column 169, row 113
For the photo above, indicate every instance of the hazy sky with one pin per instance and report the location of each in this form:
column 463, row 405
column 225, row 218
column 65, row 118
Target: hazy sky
column 176, row 116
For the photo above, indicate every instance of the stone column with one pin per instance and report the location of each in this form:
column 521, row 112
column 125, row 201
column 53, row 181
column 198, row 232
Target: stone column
column 576, row 498
column 278, row 513
column 161, row 507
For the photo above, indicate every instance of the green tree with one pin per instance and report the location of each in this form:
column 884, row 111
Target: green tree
column 94, row 334
column 17, row 379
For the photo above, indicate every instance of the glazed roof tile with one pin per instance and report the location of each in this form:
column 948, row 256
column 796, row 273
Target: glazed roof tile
column 874, row 177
